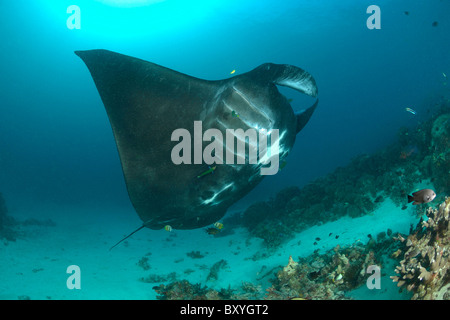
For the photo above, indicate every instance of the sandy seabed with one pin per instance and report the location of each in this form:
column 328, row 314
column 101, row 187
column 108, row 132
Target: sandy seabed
column 35, row 265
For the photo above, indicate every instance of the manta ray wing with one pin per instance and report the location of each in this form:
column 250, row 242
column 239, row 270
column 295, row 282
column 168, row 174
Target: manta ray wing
column 145, row 103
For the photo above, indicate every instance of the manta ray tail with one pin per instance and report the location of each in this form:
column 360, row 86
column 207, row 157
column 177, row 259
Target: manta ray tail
column 127, row 236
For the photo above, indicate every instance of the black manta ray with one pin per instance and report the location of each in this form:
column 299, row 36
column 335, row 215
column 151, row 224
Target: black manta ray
column 146, row 103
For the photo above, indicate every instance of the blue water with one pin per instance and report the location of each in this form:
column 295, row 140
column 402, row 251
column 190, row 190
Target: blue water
column 56, row 144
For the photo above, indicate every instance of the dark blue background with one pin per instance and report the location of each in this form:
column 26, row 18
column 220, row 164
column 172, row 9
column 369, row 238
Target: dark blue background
column 56, row 145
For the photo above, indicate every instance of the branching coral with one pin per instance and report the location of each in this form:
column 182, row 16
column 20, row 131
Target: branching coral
column 424, row 268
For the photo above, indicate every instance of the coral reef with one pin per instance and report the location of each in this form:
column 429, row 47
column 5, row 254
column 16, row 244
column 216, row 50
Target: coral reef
column 439, row 157
column 424, row 269
column 181, row 290
column 260, row 221
column 318, row 276
column 155, row 278
column 214, row 271
column 143, row 263
column 330, row 275
column 420, row 154
column 184, row 290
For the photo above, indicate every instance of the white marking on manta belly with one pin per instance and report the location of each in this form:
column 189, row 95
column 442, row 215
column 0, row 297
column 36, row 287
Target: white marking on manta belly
column 226, row 105
column 251, row 105
column 211, row 200
column 266, row 159
column 248, row 124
